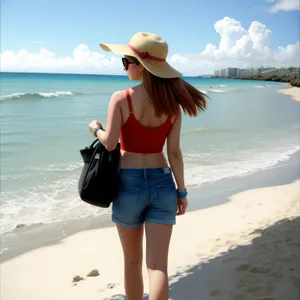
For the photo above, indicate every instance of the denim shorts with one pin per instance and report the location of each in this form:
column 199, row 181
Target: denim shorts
column 145, row 195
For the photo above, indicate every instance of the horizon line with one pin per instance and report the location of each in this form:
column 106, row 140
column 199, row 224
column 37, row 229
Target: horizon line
column 57, row 73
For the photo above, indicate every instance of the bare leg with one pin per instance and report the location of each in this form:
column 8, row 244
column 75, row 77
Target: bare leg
column 132, row 244
column 158, row 240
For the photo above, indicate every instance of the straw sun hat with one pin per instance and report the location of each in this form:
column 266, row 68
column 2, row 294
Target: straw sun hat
column 150, row 50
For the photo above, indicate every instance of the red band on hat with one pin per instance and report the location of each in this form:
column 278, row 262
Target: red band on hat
column 145, row 54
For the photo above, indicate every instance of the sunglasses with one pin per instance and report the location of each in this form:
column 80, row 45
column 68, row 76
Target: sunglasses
column 126, row 63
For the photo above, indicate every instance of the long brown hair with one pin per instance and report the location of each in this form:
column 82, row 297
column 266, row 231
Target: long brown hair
column 167, row 94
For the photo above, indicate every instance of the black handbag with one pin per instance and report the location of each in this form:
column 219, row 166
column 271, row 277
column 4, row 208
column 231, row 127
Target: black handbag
column 98, row 183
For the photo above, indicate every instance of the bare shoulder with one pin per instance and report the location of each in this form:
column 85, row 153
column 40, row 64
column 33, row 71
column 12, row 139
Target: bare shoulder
column 120, row 96
column 117, row 98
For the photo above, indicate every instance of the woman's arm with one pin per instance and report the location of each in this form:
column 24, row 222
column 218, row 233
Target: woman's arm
column 174, row 153
column 110, row 137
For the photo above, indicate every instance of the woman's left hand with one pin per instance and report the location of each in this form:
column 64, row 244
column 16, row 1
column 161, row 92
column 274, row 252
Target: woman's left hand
column 94, row 124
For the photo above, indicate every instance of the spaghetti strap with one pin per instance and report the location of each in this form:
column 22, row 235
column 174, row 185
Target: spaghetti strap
column 129, row 101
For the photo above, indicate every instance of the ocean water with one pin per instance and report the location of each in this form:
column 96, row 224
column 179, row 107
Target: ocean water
column 248, row 126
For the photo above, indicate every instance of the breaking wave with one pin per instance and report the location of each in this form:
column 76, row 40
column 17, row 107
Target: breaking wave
column 38, row 95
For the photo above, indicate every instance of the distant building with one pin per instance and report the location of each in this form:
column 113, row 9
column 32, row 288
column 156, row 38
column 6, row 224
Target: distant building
column 235, row 72
column 262, row 70
column 231, row 72
column 217, row 73
column 242, row 72
column 252, row 72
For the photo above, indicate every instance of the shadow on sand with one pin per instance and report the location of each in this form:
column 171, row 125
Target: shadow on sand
column 269, row 266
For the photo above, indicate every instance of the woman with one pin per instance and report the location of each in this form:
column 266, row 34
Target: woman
column 144, row 117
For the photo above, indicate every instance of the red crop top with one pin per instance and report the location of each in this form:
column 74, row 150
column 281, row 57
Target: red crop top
column 137, row 138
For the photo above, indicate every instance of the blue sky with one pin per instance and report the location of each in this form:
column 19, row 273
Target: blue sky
column 188, row 26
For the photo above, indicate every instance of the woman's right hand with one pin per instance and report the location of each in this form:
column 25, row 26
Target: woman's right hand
column 182, row 204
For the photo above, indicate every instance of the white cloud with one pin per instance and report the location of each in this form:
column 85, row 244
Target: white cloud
column 82, row 61
column 284, row 5
column 238, row 47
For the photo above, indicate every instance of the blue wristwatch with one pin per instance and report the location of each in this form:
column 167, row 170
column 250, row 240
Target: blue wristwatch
column 96, row 129
column 181, row 194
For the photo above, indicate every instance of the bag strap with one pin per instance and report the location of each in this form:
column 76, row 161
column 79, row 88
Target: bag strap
column 129, row 101
column 94, row 143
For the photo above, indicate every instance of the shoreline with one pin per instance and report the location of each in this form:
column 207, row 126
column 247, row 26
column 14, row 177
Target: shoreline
column 292, row 80
column 244, row 247
column 31, row 215
column 27, row 238
column 293, row 92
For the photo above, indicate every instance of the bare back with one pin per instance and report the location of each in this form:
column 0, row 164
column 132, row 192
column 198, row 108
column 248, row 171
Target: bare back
column 144, row 113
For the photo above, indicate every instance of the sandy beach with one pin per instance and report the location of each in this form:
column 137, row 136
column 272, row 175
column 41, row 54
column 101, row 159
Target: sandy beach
column 294, row 92
column 245, row 246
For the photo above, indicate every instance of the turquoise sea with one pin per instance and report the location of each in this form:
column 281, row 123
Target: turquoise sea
column 248, row 126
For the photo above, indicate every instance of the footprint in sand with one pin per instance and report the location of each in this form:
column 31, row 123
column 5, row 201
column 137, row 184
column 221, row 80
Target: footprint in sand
column 77, row 278
column 108, row 287
column 243, row 267
column 259, row 270
column 93, row 273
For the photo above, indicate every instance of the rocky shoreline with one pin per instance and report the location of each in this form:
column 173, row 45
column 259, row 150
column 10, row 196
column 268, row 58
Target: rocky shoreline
column 292, row 80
